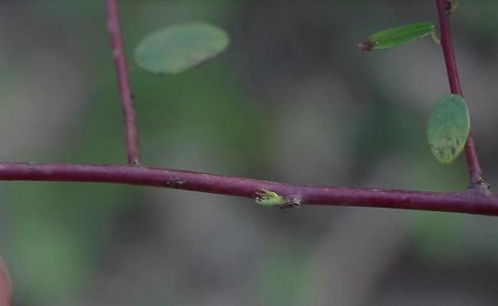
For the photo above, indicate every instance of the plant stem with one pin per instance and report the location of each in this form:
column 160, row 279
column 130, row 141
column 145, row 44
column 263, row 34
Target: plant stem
column 123, row 78
column 475, row 172
column 463, row 202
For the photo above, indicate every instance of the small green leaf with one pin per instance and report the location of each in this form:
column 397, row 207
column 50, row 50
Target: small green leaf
column 176, row 48
column 269, row 198
column 448, row 128
column 394, row 37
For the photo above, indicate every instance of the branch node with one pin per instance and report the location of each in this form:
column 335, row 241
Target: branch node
column 267, row 197
column 480, row 186
column 473, row 166
column 291, row 203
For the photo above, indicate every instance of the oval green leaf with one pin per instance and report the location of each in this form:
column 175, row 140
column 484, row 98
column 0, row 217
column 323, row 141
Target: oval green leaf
column 394, row 37
column 448, row 128
column 177, row 48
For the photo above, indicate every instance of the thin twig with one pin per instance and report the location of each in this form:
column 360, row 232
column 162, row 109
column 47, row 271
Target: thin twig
column 475, row 172
column 463, row 202
column 124, row 82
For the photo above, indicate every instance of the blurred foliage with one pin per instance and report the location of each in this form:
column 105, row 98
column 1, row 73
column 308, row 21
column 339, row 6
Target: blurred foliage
column 179, row 47
column 285, row 277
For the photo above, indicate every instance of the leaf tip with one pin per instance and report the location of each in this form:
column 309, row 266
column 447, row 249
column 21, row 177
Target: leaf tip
column 366, row 45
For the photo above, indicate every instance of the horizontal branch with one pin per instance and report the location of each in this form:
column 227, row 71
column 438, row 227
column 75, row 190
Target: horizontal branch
column 463, row 202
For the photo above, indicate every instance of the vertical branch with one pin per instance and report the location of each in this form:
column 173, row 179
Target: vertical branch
column 443, row 6
column 5, row 285
column 116, row 39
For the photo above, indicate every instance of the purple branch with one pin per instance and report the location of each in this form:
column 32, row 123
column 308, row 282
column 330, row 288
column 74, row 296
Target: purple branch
column 463, row 202
column 475, row 172
column 124, row 82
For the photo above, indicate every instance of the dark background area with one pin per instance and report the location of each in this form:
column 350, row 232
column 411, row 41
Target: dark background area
column 293, row 100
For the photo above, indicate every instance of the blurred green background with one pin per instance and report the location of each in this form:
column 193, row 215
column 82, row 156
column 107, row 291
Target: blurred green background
column 293, row 100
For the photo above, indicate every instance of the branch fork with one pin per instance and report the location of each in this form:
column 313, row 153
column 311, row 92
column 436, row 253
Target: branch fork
column 476, row 200
column 444, row 7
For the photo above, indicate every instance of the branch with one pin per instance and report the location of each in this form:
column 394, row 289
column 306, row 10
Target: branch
column 123, row 81
column 475, row 172
column 464, row 202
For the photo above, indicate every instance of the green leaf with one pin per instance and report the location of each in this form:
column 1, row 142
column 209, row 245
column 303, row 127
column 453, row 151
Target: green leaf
column 269, row 198
column 176, row 48
column 448, row 128
column 398, row 36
